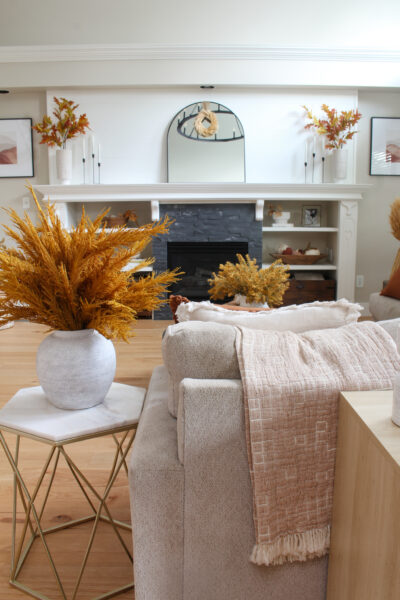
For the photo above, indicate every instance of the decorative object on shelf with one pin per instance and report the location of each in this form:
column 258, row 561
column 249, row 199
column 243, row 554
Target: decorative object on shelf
column 260, row 286
column 64, row 165
column 298, row 259
column 338, row 129
column 74, row 280
column 394, row 220
column 119, row 220
column 206, row 115
column 84, row 160
column 65, row 127
column 16, row 154
column 197, row 153
column 311, row 216
column 340, row 164
column 385, row 146
column 280, row 217
column 98, row 164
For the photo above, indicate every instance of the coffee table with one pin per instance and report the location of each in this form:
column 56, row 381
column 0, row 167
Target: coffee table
column 29, row 415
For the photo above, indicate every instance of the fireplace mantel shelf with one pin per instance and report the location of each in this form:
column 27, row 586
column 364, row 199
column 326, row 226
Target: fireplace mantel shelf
column 204, row 193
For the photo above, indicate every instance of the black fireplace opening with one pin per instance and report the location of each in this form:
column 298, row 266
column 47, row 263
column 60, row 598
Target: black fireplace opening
column 199, row 260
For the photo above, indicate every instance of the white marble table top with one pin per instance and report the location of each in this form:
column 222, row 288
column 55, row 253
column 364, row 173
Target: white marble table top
column 30, row 412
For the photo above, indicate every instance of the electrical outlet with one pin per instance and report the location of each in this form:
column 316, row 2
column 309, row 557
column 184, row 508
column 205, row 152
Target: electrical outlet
column 26, row 203
column 360, row 281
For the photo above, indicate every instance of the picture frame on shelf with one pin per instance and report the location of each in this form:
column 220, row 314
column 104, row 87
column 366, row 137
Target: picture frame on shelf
column 311, row 216
column 385, row 146
column 16, row 148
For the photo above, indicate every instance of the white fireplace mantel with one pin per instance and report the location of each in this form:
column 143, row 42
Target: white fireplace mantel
column 197, row 193
column 341, row 234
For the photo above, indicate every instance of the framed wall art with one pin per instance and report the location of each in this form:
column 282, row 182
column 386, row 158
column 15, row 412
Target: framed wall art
column 16, row 154
column 311, row 216
column 385, row 146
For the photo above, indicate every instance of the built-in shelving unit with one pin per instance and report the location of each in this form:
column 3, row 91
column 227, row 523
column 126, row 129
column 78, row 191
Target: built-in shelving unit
column 317, row 267
column 338, row 208
column 300, row 229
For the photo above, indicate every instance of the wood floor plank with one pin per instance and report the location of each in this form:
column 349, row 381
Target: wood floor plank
column 108, row 567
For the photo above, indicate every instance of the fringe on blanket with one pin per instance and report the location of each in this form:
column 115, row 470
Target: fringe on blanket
column 292, row 547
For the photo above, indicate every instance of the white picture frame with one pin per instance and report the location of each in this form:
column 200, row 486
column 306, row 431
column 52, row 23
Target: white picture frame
column 385, row 146
column 16, row 148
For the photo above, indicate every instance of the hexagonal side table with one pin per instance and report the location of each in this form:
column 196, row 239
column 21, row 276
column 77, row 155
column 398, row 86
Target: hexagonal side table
column 29, row 414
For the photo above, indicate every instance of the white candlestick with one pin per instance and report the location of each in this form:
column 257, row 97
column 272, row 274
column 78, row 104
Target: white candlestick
column 91, row 144
column 314, row 144
column 98, row 154
column 83, row 148
column 306, row 152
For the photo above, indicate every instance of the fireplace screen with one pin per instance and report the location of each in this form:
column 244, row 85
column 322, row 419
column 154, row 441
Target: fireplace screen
column 199, row 260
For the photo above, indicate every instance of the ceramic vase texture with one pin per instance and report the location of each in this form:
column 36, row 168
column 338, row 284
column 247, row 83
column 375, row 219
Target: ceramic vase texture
column 241, row 300
column 340, row 164
column 75, row 368
column 64, row 165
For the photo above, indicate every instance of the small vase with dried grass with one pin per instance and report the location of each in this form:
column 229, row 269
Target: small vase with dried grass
column 250, row 285
column 79, row 284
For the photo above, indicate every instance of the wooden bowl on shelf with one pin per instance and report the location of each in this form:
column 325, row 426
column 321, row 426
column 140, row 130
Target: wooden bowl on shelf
column 299, row 259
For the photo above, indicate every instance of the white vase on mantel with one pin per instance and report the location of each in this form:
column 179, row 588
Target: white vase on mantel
column 241, row 300
column 64, row 165
column 340, row 164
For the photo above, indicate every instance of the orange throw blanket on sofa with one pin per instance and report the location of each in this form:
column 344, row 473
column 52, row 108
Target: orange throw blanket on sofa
column 291, row 387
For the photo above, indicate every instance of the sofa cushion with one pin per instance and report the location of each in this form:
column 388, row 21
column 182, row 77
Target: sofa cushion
column 392, row 288
column 296, row 318
column 199, row 351
column 206, row 350
column 383, row 308
column 392, row 327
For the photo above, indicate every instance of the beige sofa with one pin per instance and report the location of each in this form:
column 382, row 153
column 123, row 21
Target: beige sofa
column 191, row 495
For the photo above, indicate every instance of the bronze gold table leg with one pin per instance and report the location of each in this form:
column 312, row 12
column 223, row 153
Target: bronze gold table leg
column 34, row 514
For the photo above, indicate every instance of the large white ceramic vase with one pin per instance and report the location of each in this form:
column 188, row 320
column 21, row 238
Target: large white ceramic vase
column 75, row 368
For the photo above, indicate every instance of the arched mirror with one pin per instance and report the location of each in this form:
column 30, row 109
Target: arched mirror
column 205, row 144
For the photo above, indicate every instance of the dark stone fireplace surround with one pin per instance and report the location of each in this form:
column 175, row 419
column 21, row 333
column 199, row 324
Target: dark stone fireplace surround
column 207, row 223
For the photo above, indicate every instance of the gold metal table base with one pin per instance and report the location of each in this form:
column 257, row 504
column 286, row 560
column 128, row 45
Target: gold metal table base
column 34, row 514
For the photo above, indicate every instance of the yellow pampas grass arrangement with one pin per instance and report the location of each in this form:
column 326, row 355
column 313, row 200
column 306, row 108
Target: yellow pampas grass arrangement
column 394, row 220
column 72, row 280
column 246, row 278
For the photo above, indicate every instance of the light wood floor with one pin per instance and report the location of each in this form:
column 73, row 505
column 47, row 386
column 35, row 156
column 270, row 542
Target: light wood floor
column 108, row 566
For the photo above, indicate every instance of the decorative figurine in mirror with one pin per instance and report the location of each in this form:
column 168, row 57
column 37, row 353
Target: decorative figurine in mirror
column 206, row 144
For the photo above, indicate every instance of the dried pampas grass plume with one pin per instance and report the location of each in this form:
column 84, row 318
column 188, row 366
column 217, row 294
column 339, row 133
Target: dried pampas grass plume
column 394, row 220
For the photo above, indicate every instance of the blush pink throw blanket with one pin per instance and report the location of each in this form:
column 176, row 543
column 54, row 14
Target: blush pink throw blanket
column 291, row 388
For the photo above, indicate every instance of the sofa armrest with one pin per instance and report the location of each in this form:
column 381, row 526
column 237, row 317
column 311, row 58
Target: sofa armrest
column 218, row 506
column 157, row 492
column 218, row 494
column 216, row 406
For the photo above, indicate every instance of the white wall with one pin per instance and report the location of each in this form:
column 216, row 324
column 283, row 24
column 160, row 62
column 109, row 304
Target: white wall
column 131, row 126
column 28, row 104
column 376, row 247
column 359, row 23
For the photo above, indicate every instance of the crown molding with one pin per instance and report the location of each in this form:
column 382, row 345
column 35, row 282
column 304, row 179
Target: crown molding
column 185, row 52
